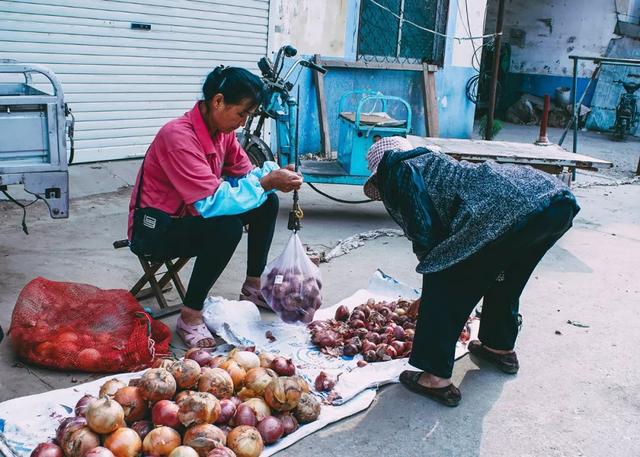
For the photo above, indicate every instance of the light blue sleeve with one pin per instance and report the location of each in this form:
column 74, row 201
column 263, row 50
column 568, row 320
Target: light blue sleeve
column 237, row 195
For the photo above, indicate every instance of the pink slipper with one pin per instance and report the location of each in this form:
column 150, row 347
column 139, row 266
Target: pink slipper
column 255, row 296
column 192, row 335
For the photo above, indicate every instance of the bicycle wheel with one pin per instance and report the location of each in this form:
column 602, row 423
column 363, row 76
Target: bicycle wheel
column 258, row 151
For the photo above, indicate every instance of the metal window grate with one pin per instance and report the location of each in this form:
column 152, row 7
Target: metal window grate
column 385, row 36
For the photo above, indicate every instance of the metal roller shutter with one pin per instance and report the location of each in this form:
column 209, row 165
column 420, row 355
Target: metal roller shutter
column 123, row 83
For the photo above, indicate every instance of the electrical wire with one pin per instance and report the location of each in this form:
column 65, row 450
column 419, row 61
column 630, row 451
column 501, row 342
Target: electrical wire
column 435, row 32
column 24, row 207
column 336, row 199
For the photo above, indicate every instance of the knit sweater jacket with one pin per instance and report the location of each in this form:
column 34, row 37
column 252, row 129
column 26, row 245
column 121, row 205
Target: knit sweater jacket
column 450, row 209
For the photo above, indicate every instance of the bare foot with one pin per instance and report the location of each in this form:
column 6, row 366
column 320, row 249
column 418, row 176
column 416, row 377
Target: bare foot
column 252, row 281
column 430, row 380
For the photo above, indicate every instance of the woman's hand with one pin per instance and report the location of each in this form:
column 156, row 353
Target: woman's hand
column 282, row 179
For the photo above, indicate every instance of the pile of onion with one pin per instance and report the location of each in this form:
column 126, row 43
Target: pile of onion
column 104, row 415
column 157, row 384
column 245, row 441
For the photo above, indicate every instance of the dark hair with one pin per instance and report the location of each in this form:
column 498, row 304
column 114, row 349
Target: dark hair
column 235, row 84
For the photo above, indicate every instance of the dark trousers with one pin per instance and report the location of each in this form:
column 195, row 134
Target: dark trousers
column 497, row 274
column 212, row 241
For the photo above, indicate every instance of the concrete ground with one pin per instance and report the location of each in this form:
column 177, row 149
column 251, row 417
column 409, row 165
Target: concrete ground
column 577, row 393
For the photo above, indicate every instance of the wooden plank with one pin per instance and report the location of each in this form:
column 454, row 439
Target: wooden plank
column 325, row 140
column 430, row 101
column 509, row 152
column 332, row 63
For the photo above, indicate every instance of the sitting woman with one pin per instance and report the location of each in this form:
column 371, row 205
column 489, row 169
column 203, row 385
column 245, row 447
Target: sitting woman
column 197, row 189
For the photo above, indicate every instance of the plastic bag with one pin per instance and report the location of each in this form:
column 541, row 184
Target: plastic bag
column 291, row 284
column 72, row 326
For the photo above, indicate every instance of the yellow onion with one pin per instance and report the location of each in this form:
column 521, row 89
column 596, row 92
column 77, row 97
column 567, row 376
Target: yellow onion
column 216, row 381
column 283, row 394
column 198, row 408
column 266, row 358
column 257, row 379
column 245, row 441
column 246, row 394
column 184, row 393
column 135, row 407
column 304, row 385
column 246, row 359
column 104, row 415
column 203, row 438
column 157, row 384
column 160, row 441
column 186, row 373
column 124, row 442
column 236, row 372
column 308, row 408
column 259, row 406
column 110, row 387
column 221, row 451
column 183, row 451
column 163, row 362
column 79, row 442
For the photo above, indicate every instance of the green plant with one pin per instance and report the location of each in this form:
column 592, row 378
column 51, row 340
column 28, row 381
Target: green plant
column 495, row 128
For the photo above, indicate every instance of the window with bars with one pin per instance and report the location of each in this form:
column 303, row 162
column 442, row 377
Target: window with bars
column 387, row 33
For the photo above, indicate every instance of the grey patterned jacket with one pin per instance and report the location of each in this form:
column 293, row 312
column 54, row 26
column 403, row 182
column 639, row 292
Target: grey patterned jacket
column 451, row 209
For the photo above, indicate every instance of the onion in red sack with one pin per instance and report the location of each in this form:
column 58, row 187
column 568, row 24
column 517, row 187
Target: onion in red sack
column 160, row 441
column 271, row 429
column 203, row 438
column 124, row 442
column 47, row 450
column 245, row 441
column 165, row 412
column 198, row 408
column 157, row 384
column 134, row 405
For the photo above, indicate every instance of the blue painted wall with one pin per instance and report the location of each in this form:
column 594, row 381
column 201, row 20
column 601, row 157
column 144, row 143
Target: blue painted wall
column 454, row 110
column 541, row 85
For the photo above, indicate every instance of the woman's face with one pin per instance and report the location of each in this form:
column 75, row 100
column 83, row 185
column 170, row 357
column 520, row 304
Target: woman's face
column 227, row 117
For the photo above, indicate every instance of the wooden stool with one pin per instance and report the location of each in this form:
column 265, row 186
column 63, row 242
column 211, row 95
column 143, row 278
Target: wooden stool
column 158, row 287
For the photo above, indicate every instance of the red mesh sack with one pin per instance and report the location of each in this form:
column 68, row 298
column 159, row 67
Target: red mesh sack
column 71, row 326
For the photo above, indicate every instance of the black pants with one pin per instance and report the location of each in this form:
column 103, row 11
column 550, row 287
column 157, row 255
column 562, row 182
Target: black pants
column 449, row 296
column 212, row 241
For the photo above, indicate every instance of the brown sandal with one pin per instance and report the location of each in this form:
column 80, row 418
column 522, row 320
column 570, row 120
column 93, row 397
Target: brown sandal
column 448, row 395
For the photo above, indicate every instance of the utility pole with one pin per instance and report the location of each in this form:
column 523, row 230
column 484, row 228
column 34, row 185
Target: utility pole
column 488, row 131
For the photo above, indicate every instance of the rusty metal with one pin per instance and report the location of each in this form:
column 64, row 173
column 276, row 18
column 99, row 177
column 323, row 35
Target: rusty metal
column 543, row 140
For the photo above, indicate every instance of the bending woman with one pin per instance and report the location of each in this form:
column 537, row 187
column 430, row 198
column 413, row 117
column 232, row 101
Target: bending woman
column 197, row 189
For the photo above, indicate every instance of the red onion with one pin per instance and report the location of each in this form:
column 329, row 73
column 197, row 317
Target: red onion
column 370, row 356
column 142, row 428
column 350, row 349
column 283, row 367
column 398, row 346
column 245, row 416
column 271, row 429
column 373, row 337
column 47, row 450
column 289, row 423
column 201, row 356
column 165, row 412
column 99, row 452
column 342, row 314
column 76, row 444
column 357, row 315
column 399, row 333
column 259, row 406
column 391, row 352
column 368, row 345
column 409, row 333
column 236, row 401
column 69, row 425
column 227, row 411
column 362, row 363
column 324, row 383
column 83, row 404
column 357, row 323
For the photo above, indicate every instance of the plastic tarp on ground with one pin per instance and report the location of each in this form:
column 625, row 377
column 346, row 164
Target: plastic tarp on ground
column 239, row 323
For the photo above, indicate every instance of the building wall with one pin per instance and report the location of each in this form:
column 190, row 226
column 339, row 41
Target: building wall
column 330, row 27
column 544, row 33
